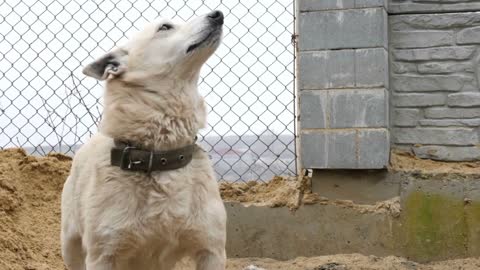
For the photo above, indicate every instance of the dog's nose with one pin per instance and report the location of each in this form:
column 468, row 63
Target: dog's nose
column 216, row 16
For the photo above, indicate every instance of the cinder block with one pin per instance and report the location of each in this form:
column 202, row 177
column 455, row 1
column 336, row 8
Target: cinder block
column 434, row 21
column 406, row 117
column 448, row 153
column 452, row 113
column 450, row 122
column 421, row 39
column 466, row 99
column 313, row 70
column 437, row 136
column 419, row 100
column 373, row 149
column 326, row 69
column 313, row 109
column 440, row 53
column 315, row 5
column 469, row 35
column 358, row 108
column 314, row 149
column 444, row 67
column 402, row 6
column 341, row 149
column 337, row 29
column 402, row 67
column 414, row 83
column 370, row 3
column 345, row 149
column 332, row 149
column 371, row 67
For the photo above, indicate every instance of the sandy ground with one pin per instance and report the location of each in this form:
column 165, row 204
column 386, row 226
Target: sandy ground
column 30, row 190
column 406, row 162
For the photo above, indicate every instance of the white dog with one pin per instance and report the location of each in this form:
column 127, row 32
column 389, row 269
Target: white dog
column 141, row 195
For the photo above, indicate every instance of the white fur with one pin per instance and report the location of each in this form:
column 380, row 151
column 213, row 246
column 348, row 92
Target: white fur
column 114, row 219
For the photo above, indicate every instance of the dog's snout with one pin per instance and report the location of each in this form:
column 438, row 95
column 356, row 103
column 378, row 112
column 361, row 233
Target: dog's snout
column 216, row 16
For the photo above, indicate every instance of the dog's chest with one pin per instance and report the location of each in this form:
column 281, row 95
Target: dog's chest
column 164, row 206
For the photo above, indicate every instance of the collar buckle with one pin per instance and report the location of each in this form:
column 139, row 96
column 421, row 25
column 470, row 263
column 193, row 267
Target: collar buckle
column 129, row 164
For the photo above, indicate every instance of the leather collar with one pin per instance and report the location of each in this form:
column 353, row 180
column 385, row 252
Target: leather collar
column 132, row 158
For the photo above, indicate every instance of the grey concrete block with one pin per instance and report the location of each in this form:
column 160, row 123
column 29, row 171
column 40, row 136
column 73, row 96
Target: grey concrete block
column 371, row 67
column 445, row 67
column 421, row 39
column 413, row 83
column 313, row 70
column 475, row 122
column 326, row 69
column 434, row 21
column 313, row 109
column 448, row 153
column 406, row 117
column 373, row 149
column 452, row 113
column 342, row 149
column 314, row 149
column 441, row 136
column 353, row 28
column 340, row 69
column 358, row 108
column 370, row 3
column 440, row 53
column 402, row 67
column 328, row 149
column 315, row 5
column 403, row 6
column 469, row 35
column 419, row 100
column 464, row 99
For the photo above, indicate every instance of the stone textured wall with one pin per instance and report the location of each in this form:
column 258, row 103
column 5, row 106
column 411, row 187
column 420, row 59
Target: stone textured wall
column 426, row 6
column 435, row 75
column 343, row 81
column 374, row 72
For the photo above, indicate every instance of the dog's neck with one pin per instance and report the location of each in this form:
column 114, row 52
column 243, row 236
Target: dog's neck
column 161, row 116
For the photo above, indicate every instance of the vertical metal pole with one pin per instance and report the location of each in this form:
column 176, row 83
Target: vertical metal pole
column 296, row 94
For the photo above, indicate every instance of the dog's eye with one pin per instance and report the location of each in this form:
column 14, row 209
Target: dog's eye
column 165, row 27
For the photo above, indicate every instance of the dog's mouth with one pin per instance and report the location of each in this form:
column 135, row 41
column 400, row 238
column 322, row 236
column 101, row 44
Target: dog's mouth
column 211, row 38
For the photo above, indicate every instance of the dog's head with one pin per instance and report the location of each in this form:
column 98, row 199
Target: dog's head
column 162, row 49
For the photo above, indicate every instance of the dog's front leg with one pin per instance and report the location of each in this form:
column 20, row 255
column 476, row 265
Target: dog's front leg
column 207, row 260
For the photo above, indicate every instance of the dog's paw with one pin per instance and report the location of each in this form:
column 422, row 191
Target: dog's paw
column 253, row 267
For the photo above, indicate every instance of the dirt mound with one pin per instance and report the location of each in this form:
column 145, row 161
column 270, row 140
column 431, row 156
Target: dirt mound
column 291, row 193
column 30, row 189
column 278, row 192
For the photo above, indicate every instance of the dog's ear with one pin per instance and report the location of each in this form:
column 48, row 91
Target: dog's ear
column 113, row 63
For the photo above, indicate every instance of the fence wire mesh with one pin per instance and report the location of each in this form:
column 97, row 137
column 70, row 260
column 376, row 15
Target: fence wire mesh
column 47, row 104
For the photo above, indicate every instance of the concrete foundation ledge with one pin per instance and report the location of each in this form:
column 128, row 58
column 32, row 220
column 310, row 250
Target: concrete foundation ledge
column 432, row 218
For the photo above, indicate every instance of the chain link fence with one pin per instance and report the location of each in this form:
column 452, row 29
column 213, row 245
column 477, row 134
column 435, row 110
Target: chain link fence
column 47, row 104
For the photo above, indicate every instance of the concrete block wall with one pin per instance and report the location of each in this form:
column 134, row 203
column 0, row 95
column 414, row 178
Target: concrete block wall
column 435, row 75
column 426, row 6
column 374, row 74
column 343, row 82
